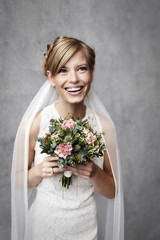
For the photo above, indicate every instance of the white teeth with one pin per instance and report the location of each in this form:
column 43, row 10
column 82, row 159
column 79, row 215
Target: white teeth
column 73, row 89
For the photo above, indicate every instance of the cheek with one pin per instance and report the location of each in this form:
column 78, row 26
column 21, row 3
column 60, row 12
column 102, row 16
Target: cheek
column 88, row 78
column 59, row 83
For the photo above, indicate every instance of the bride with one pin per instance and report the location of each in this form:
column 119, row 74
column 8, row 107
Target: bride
column 48, row 210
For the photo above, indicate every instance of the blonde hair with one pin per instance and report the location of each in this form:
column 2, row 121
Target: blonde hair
column 61, row 50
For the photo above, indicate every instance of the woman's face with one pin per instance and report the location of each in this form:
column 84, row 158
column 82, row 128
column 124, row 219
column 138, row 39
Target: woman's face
column 73, row 81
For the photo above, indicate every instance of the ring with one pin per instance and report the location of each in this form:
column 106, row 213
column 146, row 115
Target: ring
column 52, row 171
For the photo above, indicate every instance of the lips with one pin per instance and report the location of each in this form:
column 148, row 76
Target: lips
column 73, row 89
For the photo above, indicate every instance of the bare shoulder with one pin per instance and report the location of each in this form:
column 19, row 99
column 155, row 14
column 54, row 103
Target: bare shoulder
column 35, row 127
column 32, row 137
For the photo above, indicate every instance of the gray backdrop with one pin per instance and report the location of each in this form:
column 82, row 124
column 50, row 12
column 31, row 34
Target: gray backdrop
column 125, row 34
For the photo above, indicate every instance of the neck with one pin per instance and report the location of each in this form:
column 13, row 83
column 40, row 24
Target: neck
column 77, row 109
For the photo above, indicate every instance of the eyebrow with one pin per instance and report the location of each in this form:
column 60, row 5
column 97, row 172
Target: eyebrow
column 82, row 64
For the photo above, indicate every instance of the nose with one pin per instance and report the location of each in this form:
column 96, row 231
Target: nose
column 73, row 77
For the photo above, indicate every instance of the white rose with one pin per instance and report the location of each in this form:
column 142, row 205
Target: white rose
column 67, row 174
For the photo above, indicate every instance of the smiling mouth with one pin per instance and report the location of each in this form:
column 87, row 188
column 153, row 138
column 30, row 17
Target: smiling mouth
column 76, row 89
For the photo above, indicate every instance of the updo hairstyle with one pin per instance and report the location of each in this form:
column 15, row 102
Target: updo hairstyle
column 61, row 50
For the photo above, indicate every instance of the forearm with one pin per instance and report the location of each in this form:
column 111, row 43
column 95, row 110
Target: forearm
column 103, row 183
column 34, row 177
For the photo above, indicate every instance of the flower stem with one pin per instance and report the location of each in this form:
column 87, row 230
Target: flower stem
column 66, row 181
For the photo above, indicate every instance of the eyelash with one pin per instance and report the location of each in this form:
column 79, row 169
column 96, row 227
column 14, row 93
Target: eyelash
column 82, row 68
column 63, row 70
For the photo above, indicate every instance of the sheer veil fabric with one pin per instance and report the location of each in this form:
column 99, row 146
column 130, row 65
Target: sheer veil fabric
column 110, row 211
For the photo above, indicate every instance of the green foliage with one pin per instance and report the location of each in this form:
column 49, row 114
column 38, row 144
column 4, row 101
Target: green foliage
column 82, row 151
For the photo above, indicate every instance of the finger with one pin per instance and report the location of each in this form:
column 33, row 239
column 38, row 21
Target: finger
column 47, row 170
column 80, row 167
column 51, row 158
column 52, row 164
column 53, row 171
column 81, row 175
column 48, row 133
column 88, row 165
column 81, row 172
column 59, row 170
column 48, row 175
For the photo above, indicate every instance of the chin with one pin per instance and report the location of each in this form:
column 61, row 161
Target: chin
column 76, row 99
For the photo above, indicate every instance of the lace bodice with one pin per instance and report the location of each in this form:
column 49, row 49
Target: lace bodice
column 57, row 212
column 53, row 184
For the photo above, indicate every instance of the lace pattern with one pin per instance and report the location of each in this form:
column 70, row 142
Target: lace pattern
column 55, row 206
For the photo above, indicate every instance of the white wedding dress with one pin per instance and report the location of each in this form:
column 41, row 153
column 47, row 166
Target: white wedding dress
column 58, row 213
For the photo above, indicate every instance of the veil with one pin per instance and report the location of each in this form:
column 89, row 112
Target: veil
column 110, row 212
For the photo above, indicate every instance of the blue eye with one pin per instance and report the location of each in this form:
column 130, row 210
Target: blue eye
column 63, row 70
column 82, row 69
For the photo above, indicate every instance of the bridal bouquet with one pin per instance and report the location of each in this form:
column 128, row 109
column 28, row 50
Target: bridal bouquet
column 73, row 141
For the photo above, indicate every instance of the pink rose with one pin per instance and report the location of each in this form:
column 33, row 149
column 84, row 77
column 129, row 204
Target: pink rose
column 64, row 150
column 90, row 138
column 68, row 124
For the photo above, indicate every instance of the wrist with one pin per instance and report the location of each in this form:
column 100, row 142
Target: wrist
column 35, row 172
column 95, row 173
column 38, row 172
column 34, row 176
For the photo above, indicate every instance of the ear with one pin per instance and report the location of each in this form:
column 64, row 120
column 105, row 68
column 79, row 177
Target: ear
column 50, row 78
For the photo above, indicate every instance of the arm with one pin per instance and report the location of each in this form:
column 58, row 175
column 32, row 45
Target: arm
column 42, row 170
column 34, row 176
column 102, row 179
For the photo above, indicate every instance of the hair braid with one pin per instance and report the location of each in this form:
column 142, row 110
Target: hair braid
column 46, row 57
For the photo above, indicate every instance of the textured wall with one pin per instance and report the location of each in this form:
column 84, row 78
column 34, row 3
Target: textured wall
column 126, row 36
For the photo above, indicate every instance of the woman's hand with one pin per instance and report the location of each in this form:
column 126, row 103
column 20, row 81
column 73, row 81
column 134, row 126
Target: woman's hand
column 86, row 171
column 49, row 167
column 102, row 180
